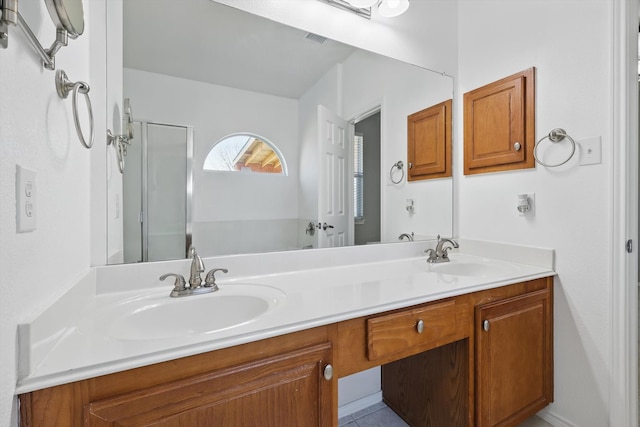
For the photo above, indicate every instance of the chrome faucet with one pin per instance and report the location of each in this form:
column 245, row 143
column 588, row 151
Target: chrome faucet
column 407, row 235
column 440, row 254
column 197, row 267
column 195, row 286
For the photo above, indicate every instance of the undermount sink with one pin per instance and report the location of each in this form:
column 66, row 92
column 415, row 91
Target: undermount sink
column 157, row 316
column 461, row 268
column 471, row 266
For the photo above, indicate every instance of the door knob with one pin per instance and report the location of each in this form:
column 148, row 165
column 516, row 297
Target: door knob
column 325, row 226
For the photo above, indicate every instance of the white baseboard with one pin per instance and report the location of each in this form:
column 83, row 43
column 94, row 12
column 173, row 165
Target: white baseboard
column 554, row 419
column 359, row 405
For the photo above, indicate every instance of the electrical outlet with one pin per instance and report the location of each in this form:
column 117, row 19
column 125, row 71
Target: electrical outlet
column 26, row 193
column 590, row 151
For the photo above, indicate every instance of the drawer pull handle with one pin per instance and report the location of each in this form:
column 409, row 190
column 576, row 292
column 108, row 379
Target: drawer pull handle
column 420, row 326
column 485, row 325
column 328, row 372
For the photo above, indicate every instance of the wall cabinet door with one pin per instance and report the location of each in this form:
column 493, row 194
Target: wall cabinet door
column 284, row 390
column 499, row 125
column 514, row 359
column 429, row 142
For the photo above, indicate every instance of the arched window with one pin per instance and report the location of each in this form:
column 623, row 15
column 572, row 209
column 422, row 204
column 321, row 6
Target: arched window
column 245, row 152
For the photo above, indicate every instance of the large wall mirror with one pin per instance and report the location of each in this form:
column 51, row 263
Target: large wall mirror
column 330, row 118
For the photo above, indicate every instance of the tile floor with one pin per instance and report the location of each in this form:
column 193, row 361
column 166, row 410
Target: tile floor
column 379, row 415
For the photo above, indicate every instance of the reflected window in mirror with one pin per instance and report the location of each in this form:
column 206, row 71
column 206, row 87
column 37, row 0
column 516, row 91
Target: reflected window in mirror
column 358, row 177
column 245, row 152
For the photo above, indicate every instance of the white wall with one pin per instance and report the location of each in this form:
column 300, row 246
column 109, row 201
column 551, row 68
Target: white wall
column 37, row 131
column 569, row 41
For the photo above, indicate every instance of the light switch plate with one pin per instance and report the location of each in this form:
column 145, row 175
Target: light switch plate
column 590, row 151
column 26, row 192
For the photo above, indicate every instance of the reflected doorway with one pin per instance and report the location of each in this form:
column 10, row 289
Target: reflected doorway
column 367, row 176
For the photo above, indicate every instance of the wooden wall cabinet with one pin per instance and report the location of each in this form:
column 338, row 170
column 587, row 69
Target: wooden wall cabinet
column 499, row 125
column 514, row 359
column 429, row 142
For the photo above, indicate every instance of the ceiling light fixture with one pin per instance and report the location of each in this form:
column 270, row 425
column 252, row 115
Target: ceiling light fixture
column 386, row 8
column 392, row 8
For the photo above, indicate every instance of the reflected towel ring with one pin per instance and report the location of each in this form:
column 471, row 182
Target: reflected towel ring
column 120, row 143
column 400, row 166
column 555, row 136
column 64, row 86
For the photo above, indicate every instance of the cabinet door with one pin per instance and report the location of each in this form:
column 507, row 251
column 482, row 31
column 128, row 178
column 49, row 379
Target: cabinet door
column 514, row 359
column 429, row 142
column 499, row 121
column 285, row 390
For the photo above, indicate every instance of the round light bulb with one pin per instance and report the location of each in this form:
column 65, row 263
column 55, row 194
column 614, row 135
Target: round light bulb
column 362, row 3
column 391, row 8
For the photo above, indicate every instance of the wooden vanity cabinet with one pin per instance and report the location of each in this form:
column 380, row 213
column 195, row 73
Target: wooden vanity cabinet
column 475, row 378
column 514, row 358
column 275, row 382
column 439, row 367
column 283, row 390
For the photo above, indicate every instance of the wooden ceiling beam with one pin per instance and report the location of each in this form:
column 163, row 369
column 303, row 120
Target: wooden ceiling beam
column 256, row 149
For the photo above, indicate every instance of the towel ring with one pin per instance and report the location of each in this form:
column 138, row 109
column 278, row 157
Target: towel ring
column 120, row 143
column 400, row 166
column 555, row 136
column 63, row 87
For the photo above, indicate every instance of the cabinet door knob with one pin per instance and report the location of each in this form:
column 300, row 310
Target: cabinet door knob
column 485, row 325
column 328, row 372
column 517, row 146
column 420, row 326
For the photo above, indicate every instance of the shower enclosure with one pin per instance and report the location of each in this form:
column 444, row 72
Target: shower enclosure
column 157, row 194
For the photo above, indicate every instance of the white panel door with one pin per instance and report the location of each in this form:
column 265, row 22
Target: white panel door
column 335, row 181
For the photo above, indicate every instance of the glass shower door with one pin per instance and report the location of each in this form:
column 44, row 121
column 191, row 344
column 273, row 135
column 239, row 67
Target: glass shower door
column 165, row 193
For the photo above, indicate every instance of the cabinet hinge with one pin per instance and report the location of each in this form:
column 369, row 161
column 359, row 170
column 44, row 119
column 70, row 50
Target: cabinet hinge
column 629, row 246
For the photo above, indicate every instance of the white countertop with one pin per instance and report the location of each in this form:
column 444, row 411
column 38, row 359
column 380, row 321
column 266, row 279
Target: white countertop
column 68, row 342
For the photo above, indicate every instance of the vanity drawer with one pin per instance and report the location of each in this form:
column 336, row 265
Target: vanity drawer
column 420, row 328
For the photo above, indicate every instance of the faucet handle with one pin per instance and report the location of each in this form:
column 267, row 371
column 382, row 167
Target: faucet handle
column 180, row 284
column 210, row 279
column 431, row 254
